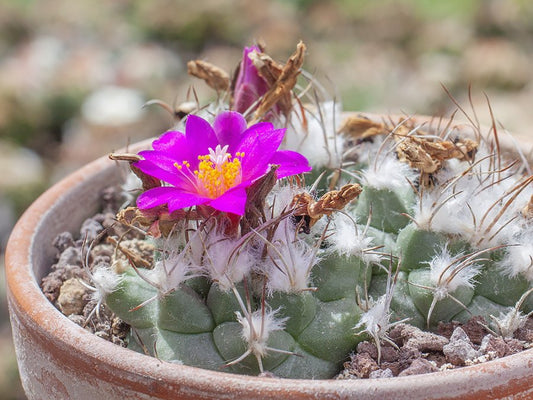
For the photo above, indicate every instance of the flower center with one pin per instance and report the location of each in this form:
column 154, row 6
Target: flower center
column 217, row 171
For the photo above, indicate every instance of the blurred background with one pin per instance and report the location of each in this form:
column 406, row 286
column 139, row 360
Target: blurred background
column 75, row 74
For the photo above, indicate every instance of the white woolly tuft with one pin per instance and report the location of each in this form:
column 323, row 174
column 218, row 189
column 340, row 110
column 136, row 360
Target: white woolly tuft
column 350, row 241
column 281, row 197
column 450, row 169
column 105, row 282
column 448, row 273
column 475, row 212
column 507, row 323
column 257, row 327
column 170, row 273
column 388, row 173
column 376, row 320
column 442, row 211
column 518, row 259
column 320, row 142
column 218, row 265
column 196, row 245
column 289, row 261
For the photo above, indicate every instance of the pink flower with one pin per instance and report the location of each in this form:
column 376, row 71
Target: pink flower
column 213, row 165
column 249, row 86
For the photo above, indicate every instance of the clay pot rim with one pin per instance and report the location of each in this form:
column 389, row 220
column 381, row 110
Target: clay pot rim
column 25, row 294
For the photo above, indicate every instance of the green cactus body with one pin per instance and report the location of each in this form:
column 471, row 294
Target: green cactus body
column 185, row 326
column 418, row 246
column 501, row 289
column 387, row 208
column 444, row 308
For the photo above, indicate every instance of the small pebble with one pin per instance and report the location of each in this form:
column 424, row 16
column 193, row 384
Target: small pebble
column 70, row 300
column 419, row 366
column 381, row 373
column 63, row 241
column 90, row 229
column 460, row 348
column 71, row 256
column 362, row 365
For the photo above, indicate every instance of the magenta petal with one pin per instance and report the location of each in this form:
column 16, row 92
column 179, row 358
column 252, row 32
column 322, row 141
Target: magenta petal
column 157, row 197
column 228, row 127
column 174, row 197
column 169, row 141
column 163, row 159
column 173, row 177
column 151, row 169
column 184, row 200
column 233, row 201
column 249, row 86
column 258, row 130
column 244, row 98
column 290, row 163
column 258, row 151
column 173, row 144
column 200, row 135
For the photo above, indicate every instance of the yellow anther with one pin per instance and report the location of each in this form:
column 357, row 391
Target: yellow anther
column 217, row 175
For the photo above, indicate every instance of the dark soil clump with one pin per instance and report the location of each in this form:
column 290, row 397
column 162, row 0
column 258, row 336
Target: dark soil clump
column 418, row 352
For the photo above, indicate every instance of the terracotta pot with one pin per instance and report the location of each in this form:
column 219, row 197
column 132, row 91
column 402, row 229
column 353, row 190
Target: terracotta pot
column 60, row 360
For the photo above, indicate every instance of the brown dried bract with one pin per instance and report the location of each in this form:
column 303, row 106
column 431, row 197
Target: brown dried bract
column 416, row 157
column 156, row 222
column 148, row 181
column 266, row 67
column 362, row 128
column 280, row 91
column 428, row 155
column 214, row 76
column 311, row 211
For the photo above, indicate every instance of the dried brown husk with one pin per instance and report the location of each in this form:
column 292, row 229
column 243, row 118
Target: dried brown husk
column 428, row 155
column 214, row 76
column 281, row 88
column 156, row 221
column 310, row 211
column 358, row 127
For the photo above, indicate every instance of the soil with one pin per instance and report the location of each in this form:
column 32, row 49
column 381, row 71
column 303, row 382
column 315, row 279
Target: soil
column 68, row 284
column 416, row 352
column 411, row 351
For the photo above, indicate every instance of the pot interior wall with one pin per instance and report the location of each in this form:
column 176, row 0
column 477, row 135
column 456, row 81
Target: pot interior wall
column 67, row 214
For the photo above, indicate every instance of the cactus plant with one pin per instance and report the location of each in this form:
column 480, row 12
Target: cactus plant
column 259, row 269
